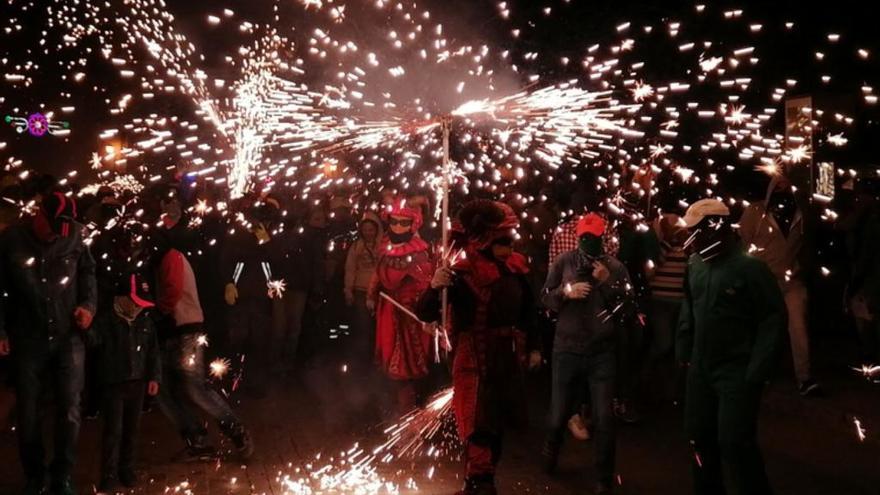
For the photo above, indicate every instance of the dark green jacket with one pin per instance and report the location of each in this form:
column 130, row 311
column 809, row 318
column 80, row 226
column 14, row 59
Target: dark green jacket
column 126, row 352
column 733, row 317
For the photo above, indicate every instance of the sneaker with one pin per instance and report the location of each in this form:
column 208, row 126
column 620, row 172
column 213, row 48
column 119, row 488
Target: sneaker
column 810, row 388
column 603, row 488
column 128, row 478
column 63, row 486
column 577, row 428
column 550, row 456
column 625, row 412
column 34, row 486
column 197, row 450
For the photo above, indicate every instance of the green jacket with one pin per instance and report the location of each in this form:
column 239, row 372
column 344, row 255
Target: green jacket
column 733, row 317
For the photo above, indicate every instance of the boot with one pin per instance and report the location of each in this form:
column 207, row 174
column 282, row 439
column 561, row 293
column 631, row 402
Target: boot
column 197, row 449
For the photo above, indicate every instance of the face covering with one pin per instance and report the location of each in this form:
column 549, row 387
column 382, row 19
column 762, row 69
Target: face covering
column 399, row 238
column 708, row 241
column 590, row 245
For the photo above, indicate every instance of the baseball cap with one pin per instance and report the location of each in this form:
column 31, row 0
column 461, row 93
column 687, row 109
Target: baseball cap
column 590, row 223
column 136, row 287
column 702, row 209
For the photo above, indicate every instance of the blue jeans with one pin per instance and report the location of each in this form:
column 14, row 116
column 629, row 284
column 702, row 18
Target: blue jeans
column 183, row 384
column 62, row 362
column 572, row 374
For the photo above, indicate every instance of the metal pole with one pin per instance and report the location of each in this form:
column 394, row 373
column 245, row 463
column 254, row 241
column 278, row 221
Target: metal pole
column 447, row 164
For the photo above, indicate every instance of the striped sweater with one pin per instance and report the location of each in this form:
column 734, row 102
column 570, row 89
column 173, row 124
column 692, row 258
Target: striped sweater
column 668, row 281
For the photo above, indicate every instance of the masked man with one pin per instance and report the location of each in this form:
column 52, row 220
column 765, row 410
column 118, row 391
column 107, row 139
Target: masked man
column 590, row 291
column 730, row 334
column 403, row 272
column 249, row 260
column 48, row 288
column 493, row 329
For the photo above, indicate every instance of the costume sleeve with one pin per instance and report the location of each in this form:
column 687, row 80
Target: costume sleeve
column 552, row 293
column 87, row 284
column 684, row 338
column 171, row 281
column 769, row 306
column 154, row 359
column 429, row 306
column 351, row 266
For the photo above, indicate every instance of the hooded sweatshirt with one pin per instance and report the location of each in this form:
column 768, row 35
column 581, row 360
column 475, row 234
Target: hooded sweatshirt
column 360, row 263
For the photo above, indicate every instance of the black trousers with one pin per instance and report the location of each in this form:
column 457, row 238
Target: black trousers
column 122, row 407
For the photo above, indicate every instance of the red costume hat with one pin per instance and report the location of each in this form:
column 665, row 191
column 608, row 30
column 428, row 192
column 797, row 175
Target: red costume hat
column 481, row 222
column 399, row 208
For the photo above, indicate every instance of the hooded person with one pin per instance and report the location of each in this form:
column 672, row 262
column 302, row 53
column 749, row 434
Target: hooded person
column 47, row 275
column 360, row 266
column 729, row 337
column 403, row 272
column 590, row 291
column 493, row 334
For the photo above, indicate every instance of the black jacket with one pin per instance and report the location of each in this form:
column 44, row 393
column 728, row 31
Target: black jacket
column 126, row 351
column 586, row 326
column 42, row 283
column 258, row 264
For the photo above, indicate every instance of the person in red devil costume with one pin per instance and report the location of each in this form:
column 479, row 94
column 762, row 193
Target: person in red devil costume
column 403, row 272
column 494, row 338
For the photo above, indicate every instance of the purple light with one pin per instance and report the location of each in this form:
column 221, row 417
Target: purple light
column 37, row 124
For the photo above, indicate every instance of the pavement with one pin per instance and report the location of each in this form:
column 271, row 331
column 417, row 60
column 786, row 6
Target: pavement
column 810, row 445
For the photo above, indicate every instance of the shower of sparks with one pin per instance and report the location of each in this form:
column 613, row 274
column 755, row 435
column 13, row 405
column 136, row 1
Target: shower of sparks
column 219, row 367
column 276, row 288
column 426, row 433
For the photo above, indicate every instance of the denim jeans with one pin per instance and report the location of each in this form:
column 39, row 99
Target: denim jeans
column 61, row 361
column 122, row 404
column 573, row 373
column 183, row 384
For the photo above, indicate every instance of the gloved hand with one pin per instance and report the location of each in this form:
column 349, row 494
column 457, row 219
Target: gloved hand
column 231, row 294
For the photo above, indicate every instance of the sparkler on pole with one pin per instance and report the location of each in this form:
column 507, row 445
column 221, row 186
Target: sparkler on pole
column 447, row 172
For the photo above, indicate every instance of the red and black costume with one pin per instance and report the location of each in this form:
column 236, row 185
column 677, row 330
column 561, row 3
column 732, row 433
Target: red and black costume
column 403, row 272
column 492, row 331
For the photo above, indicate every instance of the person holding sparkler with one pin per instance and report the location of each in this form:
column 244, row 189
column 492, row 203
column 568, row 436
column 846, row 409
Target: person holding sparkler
column 403, row 272
column 493, row 315
column 590, row 291
column 729, row 335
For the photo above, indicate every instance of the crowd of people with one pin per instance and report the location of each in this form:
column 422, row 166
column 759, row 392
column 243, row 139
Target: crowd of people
column 113, row 297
